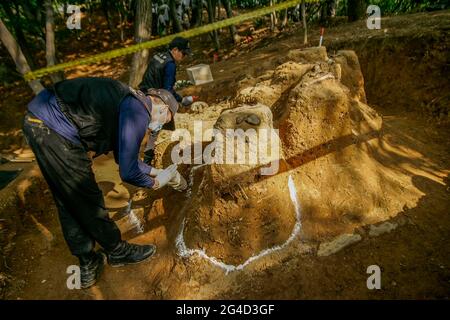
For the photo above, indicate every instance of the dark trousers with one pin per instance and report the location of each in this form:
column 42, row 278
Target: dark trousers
column 67, row 169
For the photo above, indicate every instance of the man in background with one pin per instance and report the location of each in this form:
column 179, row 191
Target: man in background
column 161, row 74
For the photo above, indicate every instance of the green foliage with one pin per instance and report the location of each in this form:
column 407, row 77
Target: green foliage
column 413, row 6
column 7, row 75
column 3, row 73
column 258, row 23
column 26, row 14
column 248, row 4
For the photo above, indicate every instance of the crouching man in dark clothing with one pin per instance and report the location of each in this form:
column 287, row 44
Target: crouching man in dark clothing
column 98, row 115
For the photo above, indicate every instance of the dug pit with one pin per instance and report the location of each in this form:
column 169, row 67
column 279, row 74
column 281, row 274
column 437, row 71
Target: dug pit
column 327, row 136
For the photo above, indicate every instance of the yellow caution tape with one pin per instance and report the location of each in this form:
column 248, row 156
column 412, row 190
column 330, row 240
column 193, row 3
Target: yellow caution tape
column 161, row 41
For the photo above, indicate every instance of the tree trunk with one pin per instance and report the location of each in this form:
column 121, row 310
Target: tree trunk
column 323, row 13
column 328, row 10
column 285, row 19
column 19, row 59
column 314, row 11
column 214, row 35
column 305, row 26
column 142, row 32
column 122, row 38
column 273, row 18
column 331, row 6
column 40, row 5
column 50, row 50
column 216, row 9
column 229, row 11
column 356, row 10
column 90, row 9
column 126, row 12
column 216, row 4
column 176, row 23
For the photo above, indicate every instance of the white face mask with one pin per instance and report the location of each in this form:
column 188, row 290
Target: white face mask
column 155, row 126
column 160, row 115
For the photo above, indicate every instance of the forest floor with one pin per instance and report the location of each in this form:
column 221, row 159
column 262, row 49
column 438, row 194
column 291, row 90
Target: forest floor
column 405, row 67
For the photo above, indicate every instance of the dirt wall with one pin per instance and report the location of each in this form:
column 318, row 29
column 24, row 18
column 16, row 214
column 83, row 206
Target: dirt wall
column 406, row 73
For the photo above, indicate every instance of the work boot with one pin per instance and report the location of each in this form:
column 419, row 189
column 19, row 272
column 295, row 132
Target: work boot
column 129, row 253
column 91, row 266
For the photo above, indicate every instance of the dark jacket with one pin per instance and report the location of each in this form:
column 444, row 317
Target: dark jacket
column 92, row 105
column 154, row 75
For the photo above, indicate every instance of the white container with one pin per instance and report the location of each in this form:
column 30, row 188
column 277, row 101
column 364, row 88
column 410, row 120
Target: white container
column 200, row 74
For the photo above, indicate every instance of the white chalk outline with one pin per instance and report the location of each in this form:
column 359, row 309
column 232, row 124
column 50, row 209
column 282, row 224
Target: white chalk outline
column 133, row 219
column 183, row 251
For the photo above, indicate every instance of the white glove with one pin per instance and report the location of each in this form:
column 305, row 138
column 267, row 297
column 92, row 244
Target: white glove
column 154, row 172
column 165, row 176
column 178, row 182
column 187, row 101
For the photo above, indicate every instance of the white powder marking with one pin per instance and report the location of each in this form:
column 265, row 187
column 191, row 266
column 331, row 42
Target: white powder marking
column 134, row 221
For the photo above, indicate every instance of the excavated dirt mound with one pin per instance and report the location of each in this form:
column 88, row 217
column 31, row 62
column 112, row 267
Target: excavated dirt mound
column 228, row 217
column 318, row 105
